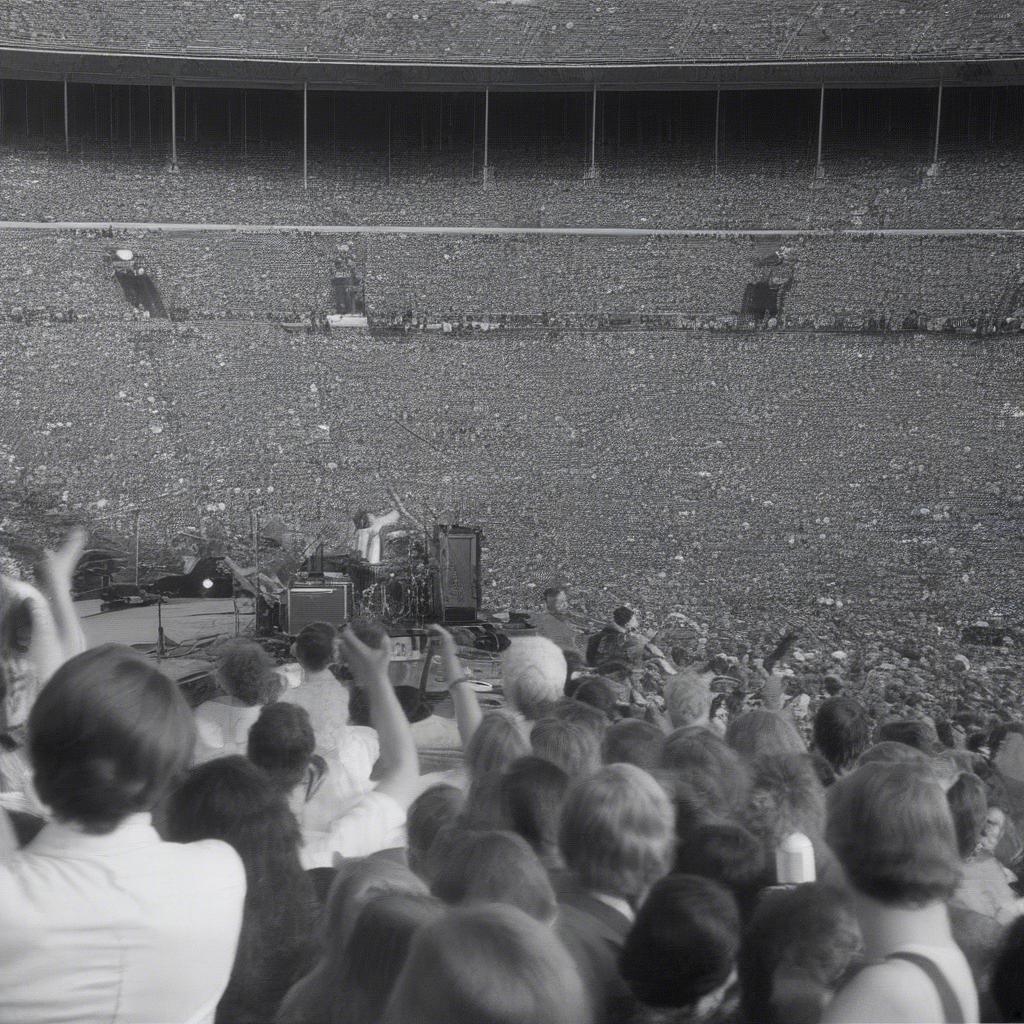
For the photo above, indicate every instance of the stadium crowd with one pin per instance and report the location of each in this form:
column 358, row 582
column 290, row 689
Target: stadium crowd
column 634, row 836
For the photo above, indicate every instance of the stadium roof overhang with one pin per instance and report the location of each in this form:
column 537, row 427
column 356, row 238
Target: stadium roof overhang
column 283, row 73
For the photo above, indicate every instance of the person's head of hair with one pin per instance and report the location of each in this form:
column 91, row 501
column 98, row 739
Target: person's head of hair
column 1007, row 984
column 600, row 693
column 786, row 796
column 315, row 646
column 491, row 965
column 969, row 806
column 108, row 736
column 551, row 595
column 533, row 675
column 755, row 733
column 892, row 831
column 684, row 942
column 281, row 742
column 617, row 834
column 580, row 713
column 494, row 867
column 688, row 698
column 247, row 673
column 354, row 983
column 497, row 742
column 574, row 748
column 833, row 685
column 726, row 853
column 481, row 809
column 944, row 729
column 795, row 953
column 633, row 741
column 918, row 733
column 713, row 772
column 842, row 732
column 232, row 800
column 356, row 882
column 891, row 752
column 532, row 792
column 575, row 668
column 434, row 809
column 622, row 616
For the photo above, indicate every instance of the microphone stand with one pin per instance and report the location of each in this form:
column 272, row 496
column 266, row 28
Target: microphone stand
column 161, row 646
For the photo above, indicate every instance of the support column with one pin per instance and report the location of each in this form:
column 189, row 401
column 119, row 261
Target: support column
column 305, row 135
column 592, row 171
column 934, row 169
column 67, row 137
column 487, row 129
column 245, row 123
column 718, row 113
column 389, row 138
column 818, row 170
column 174, row 128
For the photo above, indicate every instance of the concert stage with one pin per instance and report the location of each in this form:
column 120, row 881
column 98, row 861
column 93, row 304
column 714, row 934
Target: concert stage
column 186, row 620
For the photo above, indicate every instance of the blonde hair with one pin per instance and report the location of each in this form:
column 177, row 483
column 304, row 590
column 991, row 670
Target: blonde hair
column 497, row 742
column 617, row 833
column 533, row 674
column 490, row 965
column 687, row 699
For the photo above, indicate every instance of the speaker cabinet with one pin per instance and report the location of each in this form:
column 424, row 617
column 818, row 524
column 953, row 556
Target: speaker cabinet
column 321, row 602
column 458, row 550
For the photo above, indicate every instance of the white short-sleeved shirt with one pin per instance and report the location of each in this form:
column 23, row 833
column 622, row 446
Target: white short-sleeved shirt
column 223, row 728
column 121, row 928
column 375, row 822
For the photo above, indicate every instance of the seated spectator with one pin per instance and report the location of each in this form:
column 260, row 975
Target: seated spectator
column 555, row 622
column 571, row 747
column 281, row 742
column 633, row 741
column 232, row 800
column 918, row 733
column 728, row 854
column 1007, row 985
column 680, row 954
column 712, row 771
column 317, row 689
column 353, row 984
column 99, row 918
column 493, row 867
column 786, row 796
column 688, row 698
column 248, row 680
column 488, row 965
column 620, row 639
column 892, row 831
column 795, row 953
column 532, row 793
column 433, row 810
column 842, row 732
column 985, row 885
column 377, row 820
column 756, row 733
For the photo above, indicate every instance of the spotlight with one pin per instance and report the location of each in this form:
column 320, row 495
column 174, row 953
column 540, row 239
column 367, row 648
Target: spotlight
column 207, row 584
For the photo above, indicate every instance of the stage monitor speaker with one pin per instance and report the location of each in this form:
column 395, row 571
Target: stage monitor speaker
column 458, row 550
column 318, row 602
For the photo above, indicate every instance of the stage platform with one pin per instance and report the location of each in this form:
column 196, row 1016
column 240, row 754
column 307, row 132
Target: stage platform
column 185, row 619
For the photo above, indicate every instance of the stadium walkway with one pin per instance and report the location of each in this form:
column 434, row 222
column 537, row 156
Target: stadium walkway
column 405, row 229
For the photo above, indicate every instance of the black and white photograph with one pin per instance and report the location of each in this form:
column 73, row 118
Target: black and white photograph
column 511, row 512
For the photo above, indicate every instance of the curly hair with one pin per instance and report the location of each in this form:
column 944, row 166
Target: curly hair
column 247, row 672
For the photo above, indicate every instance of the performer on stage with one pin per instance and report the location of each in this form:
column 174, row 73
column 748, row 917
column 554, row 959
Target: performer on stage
column 368, row 533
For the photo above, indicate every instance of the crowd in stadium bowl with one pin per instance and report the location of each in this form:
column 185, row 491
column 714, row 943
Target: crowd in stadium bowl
column 636, row 835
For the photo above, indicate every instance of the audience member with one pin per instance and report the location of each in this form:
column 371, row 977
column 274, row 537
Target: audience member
column 99, row 918
column 756, row 733
column 914, row 732
column 232, row 800
column 688, row 698
column 892, row 831
column 433, row 810
column 532, row 675
column 532, row 793
column 488, row 965
column 1008, row 976
column 353, row 983
column 571, row 747
column 712, row 771
column 633, row 741
column 317, row 689
column 554, row 621
column 842, row 732
column 795, row 953
column 248, row 680
column 681, row 952
column 728, row 854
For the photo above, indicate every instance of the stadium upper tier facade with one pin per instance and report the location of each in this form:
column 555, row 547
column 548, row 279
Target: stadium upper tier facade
column 523, row 32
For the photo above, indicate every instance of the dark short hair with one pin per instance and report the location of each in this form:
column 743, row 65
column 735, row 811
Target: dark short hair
column 633, row 741
column 726, row 853
column 599, row 693
column 1007, row 985
column 842, row 731
column 314, row 646
column 553, row 591
column 622, row 615
column 914, row 732
column 281, row 742
column 430, row 812
column 683, row 944
column 108, row 736
column 568, row 709
column 532, row 792
column 969, row 806
column 248, row 673
column 714, row 773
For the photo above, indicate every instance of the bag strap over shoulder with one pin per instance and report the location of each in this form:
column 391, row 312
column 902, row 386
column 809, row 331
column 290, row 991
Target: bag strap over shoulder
column 952, row 1011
